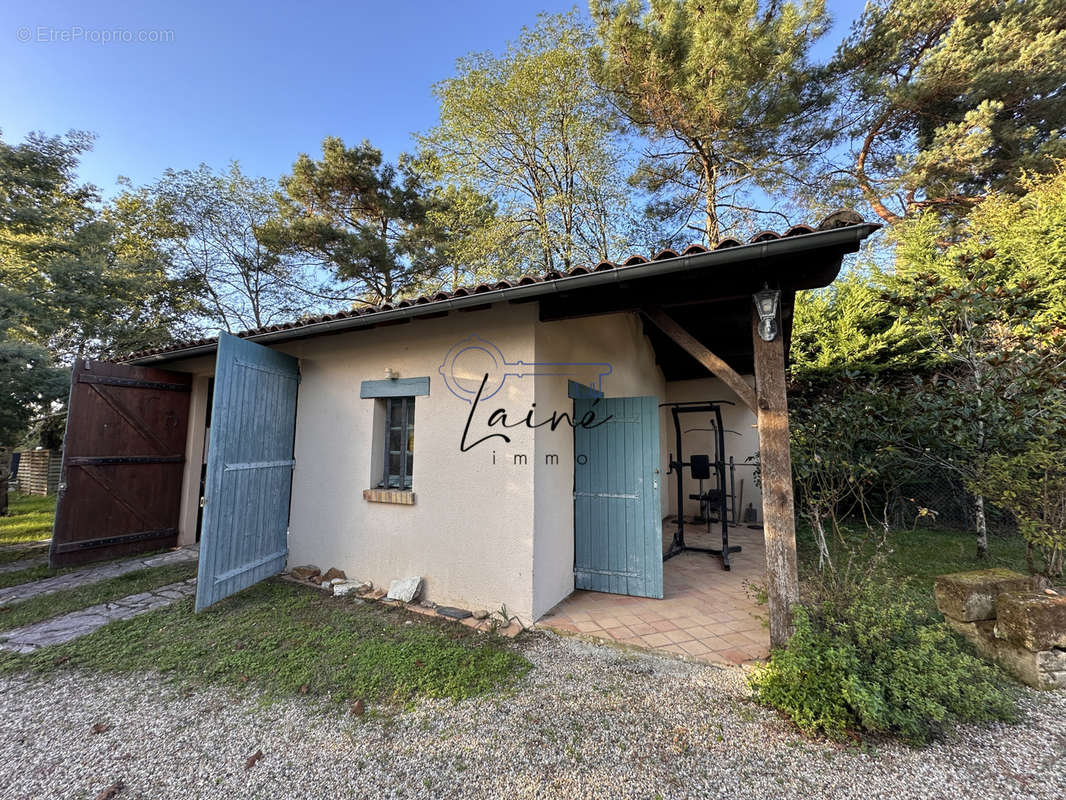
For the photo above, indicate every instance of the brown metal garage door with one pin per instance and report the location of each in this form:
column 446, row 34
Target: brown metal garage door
column 123, row 457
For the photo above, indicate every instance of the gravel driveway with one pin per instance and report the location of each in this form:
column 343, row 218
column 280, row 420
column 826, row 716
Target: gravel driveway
column 588, row 722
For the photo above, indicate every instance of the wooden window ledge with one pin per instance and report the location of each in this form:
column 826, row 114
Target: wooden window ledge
column 403, row 497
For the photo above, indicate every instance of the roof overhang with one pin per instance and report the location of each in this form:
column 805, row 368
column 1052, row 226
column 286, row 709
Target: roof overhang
column 709, row 293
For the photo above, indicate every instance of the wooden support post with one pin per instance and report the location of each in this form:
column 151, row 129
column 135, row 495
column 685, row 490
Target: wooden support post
column 775, row 464
column 699, row 351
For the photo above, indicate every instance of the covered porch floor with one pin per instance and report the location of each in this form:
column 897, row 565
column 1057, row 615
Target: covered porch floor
column 706, row 614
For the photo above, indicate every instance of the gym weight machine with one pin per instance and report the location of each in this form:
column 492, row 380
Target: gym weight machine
column 702, row 467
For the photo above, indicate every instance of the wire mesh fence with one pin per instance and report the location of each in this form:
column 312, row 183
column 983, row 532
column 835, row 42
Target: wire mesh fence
column 932, row 497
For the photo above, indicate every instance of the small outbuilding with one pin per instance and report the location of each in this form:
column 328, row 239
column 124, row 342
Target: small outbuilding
column 508, row 442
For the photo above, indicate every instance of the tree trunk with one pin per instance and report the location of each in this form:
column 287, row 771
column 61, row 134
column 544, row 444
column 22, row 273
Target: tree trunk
column 710, row 176
column 982, row 528
column 823, row 545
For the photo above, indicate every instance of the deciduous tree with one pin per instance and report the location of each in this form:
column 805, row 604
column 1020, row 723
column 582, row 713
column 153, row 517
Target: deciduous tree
column 531, row 130
column 206, row 224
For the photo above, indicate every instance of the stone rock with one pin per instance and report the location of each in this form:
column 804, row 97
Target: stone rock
column 453, row 613
column 405, row 590
column 332, row 573
column 1033, row 620
column 971, row 596
column 428, row 604
column 1043, row 669
column 481, row 614
column 358, row 708
column 306, row 572
column 347, row 587
column 335, row 581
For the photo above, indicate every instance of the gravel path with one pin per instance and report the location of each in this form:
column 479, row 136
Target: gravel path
column 70, row 626
column 81, row 577
column 588, row 722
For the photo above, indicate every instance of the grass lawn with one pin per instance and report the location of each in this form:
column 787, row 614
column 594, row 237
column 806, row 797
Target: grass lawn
column 29, row 519
column 36, row 609
column 9, row 554
column 291, row 640
column 918, row 556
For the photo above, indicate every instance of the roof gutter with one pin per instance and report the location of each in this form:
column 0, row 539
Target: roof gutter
column 852, row 234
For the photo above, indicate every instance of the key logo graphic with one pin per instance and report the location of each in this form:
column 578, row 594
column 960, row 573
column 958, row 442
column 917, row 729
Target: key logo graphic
column 470, row 360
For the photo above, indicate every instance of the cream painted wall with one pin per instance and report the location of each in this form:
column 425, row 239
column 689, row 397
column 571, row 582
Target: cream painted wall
column 194, row 460
column 740, row 445
column 470, row 531
column 617, row 340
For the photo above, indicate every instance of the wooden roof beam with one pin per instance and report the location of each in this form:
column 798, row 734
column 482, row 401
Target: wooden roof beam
column 702, row 354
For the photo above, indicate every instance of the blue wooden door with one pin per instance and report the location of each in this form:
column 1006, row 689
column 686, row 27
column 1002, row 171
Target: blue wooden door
column 249, row 469
column 617, row 519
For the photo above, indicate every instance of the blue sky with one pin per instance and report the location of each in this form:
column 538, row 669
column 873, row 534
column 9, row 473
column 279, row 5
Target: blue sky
column 252, row 81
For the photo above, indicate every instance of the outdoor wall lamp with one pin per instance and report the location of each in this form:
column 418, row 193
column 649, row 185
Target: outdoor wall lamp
column 391, row 374
column 766, row 303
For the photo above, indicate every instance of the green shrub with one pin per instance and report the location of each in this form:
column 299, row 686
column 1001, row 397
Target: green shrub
column 878, row 662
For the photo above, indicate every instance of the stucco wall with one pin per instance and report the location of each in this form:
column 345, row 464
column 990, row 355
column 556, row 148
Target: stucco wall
column 741, row 438
column 617, row 340
column 470, row 530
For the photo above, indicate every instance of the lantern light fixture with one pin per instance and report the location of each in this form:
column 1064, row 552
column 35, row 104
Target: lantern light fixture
column 766, row 303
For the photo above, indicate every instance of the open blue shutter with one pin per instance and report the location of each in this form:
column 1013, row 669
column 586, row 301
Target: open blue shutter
column 617, row 518
column 249, row 469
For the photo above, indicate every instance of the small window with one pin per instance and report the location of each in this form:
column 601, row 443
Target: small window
column 399, row 443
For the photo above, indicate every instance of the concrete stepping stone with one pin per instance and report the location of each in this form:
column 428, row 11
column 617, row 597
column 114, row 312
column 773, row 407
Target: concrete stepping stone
column 83, row 577
column 67, row 627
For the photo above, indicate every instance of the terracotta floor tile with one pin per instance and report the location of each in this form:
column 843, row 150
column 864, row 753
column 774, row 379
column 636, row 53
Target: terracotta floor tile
column 695, row 648
column 641, row 628
column 679, row 636
column 737, row 639
column 735, row 656
column 705, row 608
column 656, row 639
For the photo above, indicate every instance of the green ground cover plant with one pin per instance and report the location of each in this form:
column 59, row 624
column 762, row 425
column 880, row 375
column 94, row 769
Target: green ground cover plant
column 29, row 519
column 879, row 662
column 291, row 640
